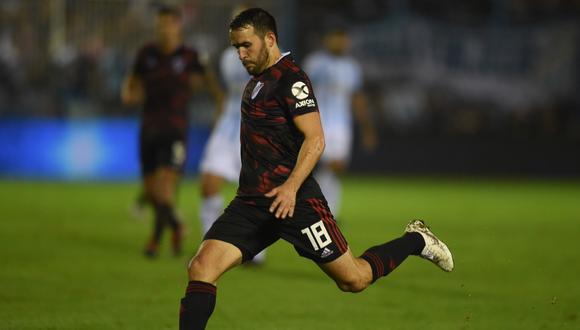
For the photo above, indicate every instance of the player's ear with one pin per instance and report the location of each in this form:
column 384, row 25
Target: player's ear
column 270, row 39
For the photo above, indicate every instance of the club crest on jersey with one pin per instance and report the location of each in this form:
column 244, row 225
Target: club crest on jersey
column 257, row 88
column 300, row 90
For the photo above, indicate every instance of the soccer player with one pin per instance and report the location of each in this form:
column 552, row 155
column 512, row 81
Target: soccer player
column 281, row 141
column 163, row 77
column 337, row 79
column 221, row 157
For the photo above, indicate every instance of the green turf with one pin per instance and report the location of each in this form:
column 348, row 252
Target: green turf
column 71, row 259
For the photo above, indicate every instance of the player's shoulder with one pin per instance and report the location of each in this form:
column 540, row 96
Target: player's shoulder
column 291, row 71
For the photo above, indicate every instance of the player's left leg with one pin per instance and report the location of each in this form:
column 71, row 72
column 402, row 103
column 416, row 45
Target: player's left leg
column 139, row 207
column 353, row 274
column 315, row 235
column 166, row 182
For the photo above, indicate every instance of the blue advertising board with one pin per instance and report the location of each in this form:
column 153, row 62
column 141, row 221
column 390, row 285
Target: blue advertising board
column 79, row 149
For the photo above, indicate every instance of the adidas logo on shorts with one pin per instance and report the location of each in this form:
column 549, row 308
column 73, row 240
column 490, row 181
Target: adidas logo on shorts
column 326, row 252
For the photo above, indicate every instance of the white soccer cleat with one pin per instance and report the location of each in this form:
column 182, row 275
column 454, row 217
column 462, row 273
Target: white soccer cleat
column 435, row 250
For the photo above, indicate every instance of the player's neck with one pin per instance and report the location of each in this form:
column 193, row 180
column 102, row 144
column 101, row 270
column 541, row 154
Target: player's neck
column 275, row 55
column 169, row 46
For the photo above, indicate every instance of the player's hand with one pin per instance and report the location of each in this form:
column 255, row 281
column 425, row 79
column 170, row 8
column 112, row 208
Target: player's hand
column 284, row 202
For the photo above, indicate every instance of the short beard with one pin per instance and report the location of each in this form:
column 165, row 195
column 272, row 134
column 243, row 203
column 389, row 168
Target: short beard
column 262, row 61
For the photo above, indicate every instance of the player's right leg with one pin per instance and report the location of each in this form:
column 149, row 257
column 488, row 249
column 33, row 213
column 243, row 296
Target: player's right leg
column 152, row 246
column 353, row 274
column 213, row 258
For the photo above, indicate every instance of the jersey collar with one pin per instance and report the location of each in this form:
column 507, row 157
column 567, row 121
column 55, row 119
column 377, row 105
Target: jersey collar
column 287, row 55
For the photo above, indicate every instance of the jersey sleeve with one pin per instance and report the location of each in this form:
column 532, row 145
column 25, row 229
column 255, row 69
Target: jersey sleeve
column 297, row 95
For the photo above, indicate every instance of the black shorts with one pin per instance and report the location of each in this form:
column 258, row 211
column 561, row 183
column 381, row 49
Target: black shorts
column 251, row 228
column 162, row 151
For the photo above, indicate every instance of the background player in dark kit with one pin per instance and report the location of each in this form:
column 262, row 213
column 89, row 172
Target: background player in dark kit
column 163, row 77
column 281, row 141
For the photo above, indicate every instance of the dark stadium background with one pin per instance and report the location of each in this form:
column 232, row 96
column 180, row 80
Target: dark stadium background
column 469, row 87
column 478, row 107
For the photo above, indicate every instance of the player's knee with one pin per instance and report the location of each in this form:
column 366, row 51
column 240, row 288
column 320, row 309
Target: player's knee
column 352, row 285
column 163, row 196
column 199, row 269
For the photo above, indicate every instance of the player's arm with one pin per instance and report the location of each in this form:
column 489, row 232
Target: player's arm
column 364, row 121
column 132, row 90
column 310, row 152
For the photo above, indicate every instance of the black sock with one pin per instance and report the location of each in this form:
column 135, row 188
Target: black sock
column 142, row 199
column 386, row 257
column 167, row 214
column 159, row 226
column 197, row 305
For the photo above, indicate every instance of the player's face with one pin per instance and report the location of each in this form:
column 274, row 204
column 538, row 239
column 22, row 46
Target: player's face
column 251, row 48
column 337, row 43
column 168, row 27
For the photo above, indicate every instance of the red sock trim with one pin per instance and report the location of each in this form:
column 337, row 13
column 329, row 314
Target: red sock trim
column 201, row 287
column 375, row 263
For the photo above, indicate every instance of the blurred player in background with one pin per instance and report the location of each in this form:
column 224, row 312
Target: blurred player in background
column 281, row 141
column 221, row 159
column 337, row 78
column 163, row 77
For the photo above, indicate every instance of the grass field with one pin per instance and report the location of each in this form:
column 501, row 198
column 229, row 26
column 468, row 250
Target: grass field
column 71, row 259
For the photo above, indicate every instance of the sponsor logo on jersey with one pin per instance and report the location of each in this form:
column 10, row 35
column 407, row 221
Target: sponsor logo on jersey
column 300, row 90
column 257, row 88
column 305, row 103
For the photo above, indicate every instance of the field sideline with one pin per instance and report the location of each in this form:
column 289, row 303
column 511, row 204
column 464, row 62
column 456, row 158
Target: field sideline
column 71, row 259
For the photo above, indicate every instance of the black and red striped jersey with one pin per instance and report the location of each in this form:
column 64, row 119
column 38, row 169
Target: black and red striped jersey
column 167, row 83
column 270, row 141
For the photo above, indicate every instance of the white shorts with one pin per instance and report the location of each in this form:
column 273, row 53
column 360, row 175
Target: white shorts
column 221, row 156
column 338, row 144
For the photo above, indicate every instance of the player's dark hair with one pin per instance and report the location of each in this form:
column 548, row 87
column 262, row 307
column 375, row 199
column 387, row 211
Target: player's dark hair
column 262, row 21
column 169, row 10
